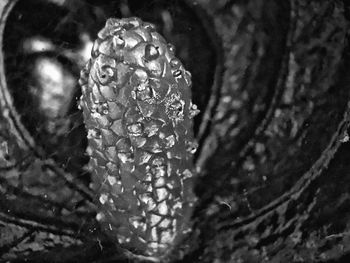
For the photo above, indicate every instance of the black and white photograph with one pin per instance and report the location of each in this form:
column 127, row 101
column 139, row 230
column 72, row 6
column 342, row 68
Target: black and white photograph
column 174, row 131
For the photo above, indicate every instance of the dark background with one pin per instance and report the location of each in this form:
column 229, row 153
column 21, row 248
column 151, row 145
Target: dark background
column 271, row 80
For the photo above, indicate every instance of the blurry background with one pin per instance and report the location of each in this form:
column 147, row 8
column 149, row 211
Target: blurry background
column 270, row 78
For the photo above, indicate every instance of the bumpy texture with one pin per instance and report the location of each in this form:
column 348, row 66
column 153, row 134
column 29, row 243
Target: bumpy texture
column 136, row 101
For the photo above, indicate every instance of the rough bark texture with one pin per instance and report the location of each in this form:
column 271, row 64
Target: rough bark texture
column 270, row 78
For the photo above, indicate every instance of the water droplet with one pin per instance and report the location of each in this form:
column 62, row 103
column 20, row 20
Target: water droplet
column 135, row 221
column 175, row 108
column 94, row 51
column 94, row 133
column 345, row 137
column 177, row 73
column 151, row 52
column 175, row 63
column 193, row 111
column 123, row 239
column 188, row 77
column 105, row 75
column 140, row 87
column 100, row 216
column 101, row 108
column 187, row 174
column 171, row 48
column 103, row 198
column 191, row 147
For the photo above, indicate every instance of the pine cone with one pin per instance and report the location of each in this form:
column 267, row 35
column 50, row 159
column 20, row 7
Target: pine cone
column 136, row 101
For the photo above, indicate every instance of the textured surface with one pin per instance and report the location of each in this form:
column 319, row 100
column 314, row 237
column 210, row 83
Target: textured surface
column 136, row 101
column 271, row 80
